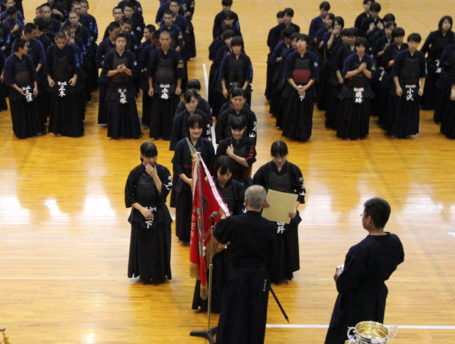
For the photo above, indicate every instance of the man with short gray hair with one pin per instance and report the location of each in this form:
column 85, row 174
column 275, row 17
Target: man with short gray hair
column 252, row 238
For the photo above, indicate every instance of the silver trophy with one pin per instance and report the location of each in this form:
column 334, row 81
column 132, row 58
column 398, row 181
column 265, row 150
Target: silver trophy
column 370, row 332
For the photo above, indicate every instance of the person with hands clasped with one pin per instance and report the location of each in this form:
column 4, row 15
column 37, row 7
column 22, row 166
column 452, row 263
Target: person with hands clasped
column 120, row 69
column 63, row 69
column 409, row 68
column 22, row 80
column 358, row 69
column 283, row 176
column 146, row 190
column 301, row 70
column 183, row 166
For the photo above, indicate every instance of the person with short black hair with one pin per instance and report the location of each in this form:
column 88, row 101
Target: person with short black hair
column 21, row 79
column 117, row 13
column 332, row 115
column 136, row 5
column 358, row 69
column 132, row 44
column 120, row 69
column 219, row 18
column 283, row 176
column 54, row 24
column 235, row 68
column 180, row 21
column 164, row 6
column 165, row 71
column 59, row 13
column 179, row 129
column 300, row 72
column 233, row 194
column 146, row 189
column 42, row 26
column 183, row 166
column 408, row 70
column 202, row 104
column 175, row 31
column 11, row 30
column 20, row 16
column 137, row 25
column 90, row 21
column 318, row 22
column 380, row 34
column 278, row 36
column 238, row 109
column 63, row 69
column 240, row 149
column 433, row 47
column 364, row 15
column 270, row 68
column 252, row 239
column 276, row 60
column 371, row 25
column 360, row 282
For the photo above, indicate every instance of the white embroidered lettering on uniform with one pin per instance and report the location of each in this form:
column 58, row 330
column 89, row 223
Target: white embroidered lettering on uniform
column 150, row 222
column 381, row 75
column 438, row 67
column 280, row 227
column 122, row 95
column 358, row 94
column 302, row 96
column 165, row 91
column 410, row 90
column 28, row 94
column 62, row 88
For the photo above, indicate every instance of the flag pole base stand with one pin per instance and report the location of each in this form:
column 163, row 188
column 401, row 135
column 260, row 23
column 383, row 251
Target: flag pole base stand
column 205, row 334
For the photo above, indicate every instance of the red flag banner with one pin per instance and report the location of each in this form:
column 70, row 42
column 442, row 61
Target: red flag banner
column 206, row 200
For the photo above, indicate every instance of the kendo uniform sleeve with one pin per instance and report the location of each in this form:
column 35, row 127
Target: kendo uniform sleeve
column 222, row 148
column 177, row 166
column 354, row 267
column 223, row 67
column 223, row 230
column 298, row 183
column 260, row 177
column 179, row 67
column 426, row 46
column 132, row 64
column 108, row 61
column 9, row 71
column 166, row 180
column 252, row 125
column 314, row 67
column 2, row 60
column 249, row 72
column 399, row 63
column 347, row 64
column 130, row 187
column 32, row 67
column 176, row 130
column 251, row 149
column 423, row 65
column 289, row 65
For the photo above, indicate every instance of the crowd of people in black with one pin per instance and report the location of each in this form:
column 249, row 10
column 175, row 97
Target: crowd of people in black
column 353, row 73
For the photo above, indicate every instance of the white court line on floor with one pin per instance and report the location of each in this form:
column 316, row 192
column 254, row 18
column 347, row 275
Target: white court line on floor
column 206, row 80
column 417, row 327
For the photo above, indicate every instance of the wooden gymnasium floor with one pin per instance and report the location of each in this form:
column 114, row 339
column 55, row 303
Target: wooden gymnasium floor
column 65, row 236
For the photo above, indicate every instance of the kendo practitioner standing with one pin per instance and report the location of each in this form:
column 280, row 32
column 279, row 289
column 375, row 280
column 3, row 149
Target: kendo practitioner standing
column 358, row 69
column 252, row 238
column 335, row 84
column 11, row 29
column 146, row 190
column 179, row 128
column 37, row 53
column 62, row 70
column 318, row 22
column 270, row 68
column 120, row 68
column 238, row 109
column 371, row 25
column 219, row 18
column 235, row 68
column 300, row 72
column 22, row 80
column 283, row 176
column 433, row 47
column 183, row 166
column 165, row 71
column 105, row 47
column 447, row 87
column 362, row 292
column 241, row 151
column 387, row 83
column 408, row 69
column 233, row 194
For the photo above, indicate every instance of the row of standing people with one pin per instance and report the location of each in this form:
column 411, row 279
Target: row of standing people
column 334, row 86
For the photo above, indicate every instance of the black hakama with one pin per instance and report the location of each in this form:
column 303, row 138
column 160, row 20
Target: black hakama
column 286, row 259
column 354, row 118
column 434, row 46
column 182, row 197
column 150, row 245
column 243, row 315
column 120, row 99
column 297, row 121
column 405, row 110
column 24, row 110
column 362, row 291
column 448, row 120
column 165, row 71
column 444, row 85
column 65, row 117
